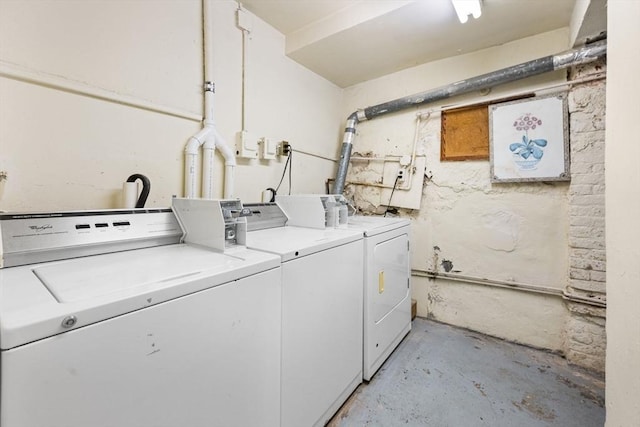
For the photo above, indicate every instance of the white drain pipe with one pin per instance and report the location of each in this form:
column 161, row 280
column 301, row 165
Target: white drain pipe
column 208, row 137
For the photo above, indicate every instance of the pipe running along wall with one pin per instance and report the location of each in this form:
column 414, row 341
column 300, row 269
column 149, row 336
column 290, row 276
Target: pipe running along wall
column 560, row 61
column 208, row 137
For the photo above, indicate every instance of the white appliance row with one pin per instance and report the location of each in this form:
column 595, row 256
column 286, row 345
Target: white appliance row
column 191, row 316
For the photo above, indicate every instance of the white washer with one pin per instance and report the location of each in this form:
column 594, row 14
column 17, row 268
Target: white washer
column 321, row 313
column 167, row 335
column 387, row 271
column 387, row 289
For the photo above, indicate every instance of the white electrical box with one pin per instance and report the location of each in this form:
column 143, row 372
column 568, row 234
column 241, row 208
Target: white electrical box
column 247, row 145
column 268, row 148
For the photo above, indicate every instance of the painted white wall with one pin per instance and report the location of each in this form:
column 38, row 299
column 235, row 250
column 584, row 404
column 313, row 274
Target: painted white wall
column 623, row 211
column 499, row 232
column 284, row 101
column 64, row 150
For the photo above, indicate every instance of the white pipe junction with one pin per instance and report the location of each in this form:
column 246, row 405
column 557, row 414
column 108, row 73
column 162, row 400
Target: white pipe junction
column 208, row 138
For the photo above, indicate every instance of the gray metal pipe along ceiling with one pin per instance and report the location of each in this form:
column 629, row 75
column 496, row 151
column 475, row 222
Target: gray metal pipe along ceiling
column 583, row 55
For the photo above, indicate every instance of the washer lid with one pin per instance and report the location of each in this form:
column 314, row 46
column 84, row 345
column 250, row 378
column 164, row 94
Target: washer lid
column 35, row 300
column 372, row 225
column 292, row 242
column 127, row 272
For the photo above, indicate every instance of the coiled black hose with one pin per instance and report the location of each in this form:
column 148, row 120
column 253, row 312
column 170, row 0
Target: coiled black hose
column 146, row 187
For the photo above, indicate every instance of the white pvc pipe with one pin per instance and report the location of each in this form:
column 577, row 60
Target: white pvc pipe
column 190, row 173
column 191, row 166
column 230, row 164
column 208, row 137
column 207, row 22
column 191, row 169
column 225, row 149
column 412, row 165
column 229, row 181
column 209, row 108
column 208, row 153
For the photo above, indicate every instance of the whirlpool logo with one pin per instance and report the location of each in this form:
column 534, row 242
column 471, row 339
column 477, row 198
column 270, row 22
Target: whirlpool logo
column 41, row 228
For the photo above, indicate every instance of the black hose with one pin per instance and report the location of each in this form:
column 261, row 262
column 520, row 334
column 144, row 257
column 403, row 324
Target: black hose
column 273, row 194
column 146, row 187
column 395, row 185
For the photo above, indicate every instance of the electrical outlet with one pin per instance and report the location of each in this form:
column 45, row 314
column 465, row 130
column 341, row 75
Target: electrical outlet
column 400, row 175
column 283, row 149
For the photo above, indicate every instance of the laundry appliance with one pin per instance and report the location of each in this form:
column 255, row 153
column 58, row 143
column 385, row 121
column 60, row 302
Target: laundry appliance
column 321, row 313
column 113, row 318
column 387, row 271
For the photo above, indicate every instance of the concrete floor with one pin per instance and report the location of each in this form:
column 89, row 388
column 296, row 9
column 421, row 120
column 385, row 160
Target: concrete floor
column 449, row 377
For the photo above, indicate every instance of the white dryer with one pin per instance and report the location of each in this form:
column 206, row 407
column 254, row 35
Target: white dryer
column 387, row 287
column 321, row 313
column 106, row 319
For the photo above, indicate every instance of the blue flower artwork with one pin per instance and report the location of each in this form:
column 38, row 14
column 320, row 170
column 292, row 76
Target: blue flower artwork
column 529, row 139
column 528, row 152
column 529, row 147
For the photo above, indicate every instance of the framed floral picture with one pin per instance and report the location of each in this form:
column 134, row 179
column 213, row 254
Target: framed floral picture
column 529, row 140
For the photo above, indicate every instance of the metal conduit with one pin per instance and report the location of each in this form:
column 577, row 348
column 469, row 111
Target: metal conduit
column 567, row 59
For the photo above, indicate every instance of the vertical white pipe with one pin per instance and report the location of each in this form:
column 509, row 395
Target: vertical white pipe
column 229, row 181
column 245, row 58
column 207, row 22
column 208, row 153
column 190, row 174
column 191, row 168
column 208, row 148
column 214, row 139
column 209, row 112
column 230, row 164
column 412, row 165
column 208, row 137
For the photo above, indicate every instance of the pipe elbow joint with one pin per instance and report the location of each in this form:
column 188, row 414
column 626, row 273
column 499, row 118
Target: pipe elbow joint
column 227, row 153
column 225, row 149
column 209, row 143
column 192, row 146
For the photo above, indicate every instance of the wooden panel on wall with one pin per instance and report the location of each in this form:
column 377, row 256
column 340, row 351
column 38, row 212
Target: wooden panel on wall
column 465, row 133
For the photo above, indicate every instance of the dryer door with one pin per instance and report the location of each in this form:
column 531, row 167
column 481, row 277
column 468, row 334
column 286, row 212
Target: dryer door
column 388, row 275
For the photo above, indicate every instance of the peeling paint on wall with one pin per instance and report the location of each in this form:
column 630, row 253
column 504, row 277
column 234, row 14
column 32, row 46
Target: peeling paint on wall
column 505, row 232
column 447, row 265
column 501, row 230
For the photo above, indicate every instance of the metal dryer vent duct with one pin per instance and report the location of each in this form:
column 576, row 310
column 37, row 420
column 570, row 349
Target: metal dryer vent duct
column 567, row 59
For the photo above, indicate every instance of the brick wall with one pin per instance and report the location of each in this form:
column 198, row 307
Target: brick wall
column 585, row 342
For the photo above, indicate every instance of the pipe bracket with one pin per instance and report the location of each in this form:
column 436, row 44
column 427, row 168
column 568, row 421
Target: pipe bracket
column 209, row 87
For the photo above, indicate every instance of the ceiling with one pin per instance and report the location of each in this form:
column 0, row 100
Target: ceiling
column 351, row 41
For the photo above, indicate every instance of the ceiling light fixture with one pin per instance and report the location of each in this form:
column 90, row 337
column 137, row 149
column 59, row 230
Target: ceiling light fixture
column 464, row 8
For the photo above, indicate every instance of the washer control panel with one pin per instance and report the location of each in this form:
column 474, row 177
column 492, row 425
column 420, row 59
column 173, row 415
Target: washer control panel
column 29, row 238
column 216, row 224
